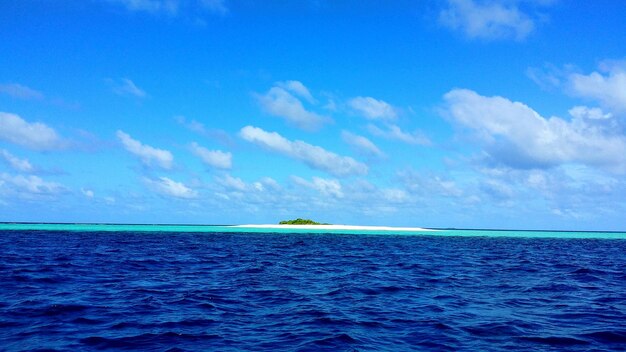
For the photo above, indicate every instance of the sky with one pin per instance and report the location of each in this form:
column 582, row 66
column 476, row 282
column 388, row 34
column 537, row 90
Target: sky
column 438, row 113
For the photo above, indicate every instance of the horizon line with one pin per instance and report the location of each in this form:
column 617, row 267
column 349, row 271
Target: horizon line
column 223, row 225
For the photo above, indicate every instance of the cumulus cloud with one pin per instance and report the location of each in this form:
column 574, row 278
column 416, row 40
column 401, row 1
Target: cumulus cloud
column 232, row 187
column 394, row 195
column 297, row 88
column 372, row 109
column 170, row 188
column 193, row 125
column 87, row 193
column 429, row 184
column 29, row 186
column 313, row 156
column 22, row 165
column 126, row 87
column 232, row 183
column 279, row 102
column 214, row 158
column 327, row 187
column 148, row 155
column 608, row 86
column 19, row 91
column 361, row 144
column 569, row 187
column 487, row 19
column 584, row 112
column 497, row 189
column 213, row 133
column 516, row 135
column 32, row 135
column 266, row 183
column 395, row 133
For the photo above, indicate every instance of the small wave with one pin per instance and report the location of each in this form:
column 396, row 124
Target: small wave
column 336, row 340
column 146, row 340
column 561, row 341
column 9, row 324
column 254, row 270
column 87, row 321
column 61, row 309
column 607, row 336
column 187, row 323
column 493, row 329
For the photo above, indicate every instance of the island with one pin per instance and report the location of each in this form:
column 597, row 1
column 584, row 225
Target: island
column 300, row 221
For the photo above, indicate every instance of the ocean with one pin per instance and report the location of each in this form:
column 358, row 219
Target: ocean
column 203, row 288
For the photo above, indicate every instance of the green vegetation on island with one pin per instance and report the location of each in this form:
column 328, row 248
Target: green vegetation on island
column 299, row 221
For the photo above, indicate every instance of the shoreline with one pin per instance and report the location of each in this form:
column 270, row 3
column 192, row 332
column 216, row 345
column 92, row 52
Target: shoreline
column 334, row 227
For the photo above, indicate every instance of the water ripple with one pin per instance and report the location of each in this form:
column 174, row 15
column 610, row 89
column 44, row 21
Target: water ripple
column 308, row 292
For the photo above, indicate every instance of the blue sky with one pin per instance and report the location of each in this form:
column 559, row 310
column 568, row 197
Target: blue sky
column 450, row 113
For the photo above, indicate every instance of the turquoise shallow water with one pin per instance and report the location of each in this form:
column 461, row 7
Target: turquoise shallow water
column 233, row 229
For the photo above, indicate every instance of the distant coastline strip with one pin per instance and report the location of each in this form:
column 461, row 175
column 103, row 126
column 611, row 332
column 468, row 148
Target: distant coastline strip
column 287, row 229
column 335, row 227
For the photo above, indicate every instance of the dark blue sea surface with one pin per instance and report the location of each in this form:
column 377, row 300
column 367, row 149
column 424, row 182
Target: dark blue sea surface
column 73, row 291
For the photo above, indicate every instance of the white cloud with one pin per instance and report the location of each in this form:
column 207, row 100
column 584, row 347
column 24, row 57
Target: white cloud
column 313, row 156
column 266, row 183
column 394, row 132
column 216, row 6
column 331, row 105
column 192, row 125
column 213, row 133
column 126, row 87
column 232, row 183
column 372, row 109
column 35, row 135
column 361, row 144
column 174, row 7
column 22, row 165
column 297, row 88
column 327, row 187
column 584, row 112
column 19, row 91
column 279, row 102
column 607, row 86
column 168, row 187
column 213, row 158
column 29, row 186
column 147, row 154
column 261, row 195
column 87, row 192
column 516, row 135
column 429, row 185
column 169, row 7
column 487, row 19
column 394, row 195
column 547, row 77
column 497, row 189
column 572, row 187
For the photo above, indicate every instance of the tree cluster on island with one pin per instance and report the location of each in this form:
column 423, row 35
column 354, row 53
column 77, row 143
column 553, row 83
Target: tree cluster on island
column 299, row 221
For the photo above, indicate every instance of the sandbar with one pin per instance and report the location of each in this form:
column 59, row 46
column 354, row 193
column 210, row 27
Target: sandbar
column 336, row 227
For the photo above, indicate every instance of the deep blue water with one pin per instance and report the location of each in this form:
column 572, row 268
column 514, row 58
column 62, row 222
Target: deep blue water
column 75, row 291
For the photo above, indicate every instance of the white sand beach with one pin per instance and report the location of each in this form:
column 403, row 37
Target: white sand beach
column 335, row 227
